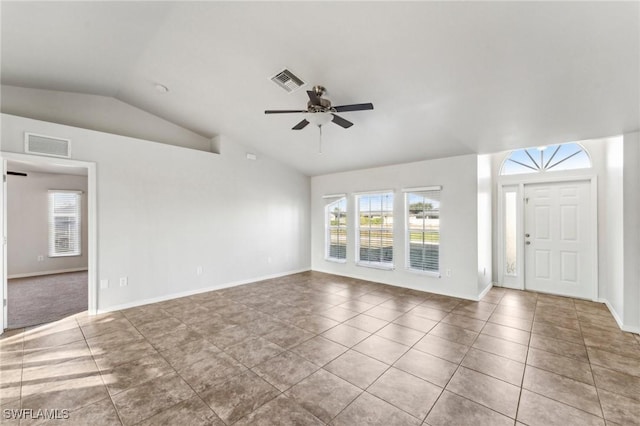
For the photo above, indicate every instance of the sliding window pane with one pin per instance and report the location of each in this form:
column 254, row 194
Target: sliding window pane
column 375, row 232
column 336, row 228
column 423, row 230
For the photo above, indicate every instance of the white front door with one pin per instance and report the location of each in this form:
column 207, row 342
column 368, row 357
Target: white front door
column 558, row 239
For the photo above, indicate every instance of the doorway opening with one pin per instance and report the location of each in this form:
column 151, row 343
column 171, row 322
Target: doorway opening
column 49, row 223
column 547, row 222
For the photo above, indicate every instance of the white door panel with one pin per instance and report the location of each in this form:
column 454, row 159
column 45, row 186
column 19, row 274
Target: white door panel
column 569, row 267
column 569, row 223
column 543, row 265
column 558, row 251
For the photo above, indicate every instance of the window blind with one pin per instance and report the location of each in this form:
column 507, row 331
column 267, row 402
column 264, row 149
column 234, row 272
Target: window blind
column 375, row 229
column 64, row 223
column 336, row 228
column 423, row 229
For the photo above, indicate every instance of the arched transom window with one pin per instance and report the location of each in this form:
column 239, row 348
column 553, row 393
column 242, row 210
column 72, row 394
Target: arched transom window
column 567, row 156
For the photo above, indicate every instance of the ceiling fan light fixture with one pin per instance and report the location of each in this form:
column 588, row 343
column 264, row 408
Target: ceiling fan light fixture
column 318, row 118
column 319, row 111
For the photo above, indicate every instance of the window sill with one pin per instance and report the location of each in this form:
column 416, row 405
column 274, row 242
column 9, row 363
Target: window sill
column 425, row 273
column 65, row 255
column 383, row 266
column 330, row 259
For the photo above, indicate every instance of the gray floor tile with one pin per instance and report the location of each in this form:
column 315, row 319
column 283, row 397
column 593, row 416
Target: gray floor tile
column 330, row 349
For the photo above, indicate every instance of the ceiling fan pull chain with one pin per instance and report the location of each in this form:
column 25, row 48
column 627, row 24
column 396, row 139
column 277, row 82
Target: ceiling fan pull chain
column 320, row 140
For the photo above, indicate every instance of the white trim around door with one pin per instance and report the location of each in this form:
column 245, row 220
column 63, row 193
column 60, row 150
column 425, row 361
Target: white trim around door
column 514, row 276
column 92, row 225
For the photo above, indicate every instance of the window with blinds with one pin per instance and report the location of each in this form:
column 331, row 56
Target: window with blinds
column 336, row 228
column 64, row 223
column 374, row 245
column 423, row 229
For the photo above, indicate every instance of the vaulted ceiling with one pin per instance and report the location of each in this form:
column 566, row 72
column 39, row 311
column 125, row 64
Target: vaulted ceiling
column 446, row 78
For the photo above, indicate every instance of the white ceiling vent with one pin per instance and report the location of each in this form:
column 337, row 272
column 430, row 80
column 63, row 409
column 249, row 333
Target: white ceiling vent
column 288, row 81
column 47, row 145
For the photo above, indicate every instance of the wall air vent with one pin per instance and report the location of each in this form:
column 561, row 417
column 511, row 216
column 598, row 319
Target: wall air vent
column 288, row 81
column 47, row 145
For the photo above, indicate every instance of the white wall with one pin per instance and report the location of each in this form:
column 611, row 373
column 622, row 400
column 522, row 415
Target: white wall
column 611, row 225
column 165, row 210
column 99, row 113
column 27, row 219
column 631, row 181
column 485, row 236
column 458, row 218
column 597, row 149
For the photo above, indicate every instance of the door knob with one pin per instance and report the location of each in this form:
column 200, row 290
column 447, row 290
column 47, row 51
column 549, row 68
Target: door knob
column 526, row 235
column 528, row 242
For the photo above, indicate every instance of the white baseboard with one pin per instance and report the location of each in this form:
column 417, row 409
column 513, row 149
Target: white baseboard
column 612, row 311
column 443, row 293
column 37, row 274
column 197, row 291
column 621, row 324
column 510, row 287
column 485, row 291
column 266, row 277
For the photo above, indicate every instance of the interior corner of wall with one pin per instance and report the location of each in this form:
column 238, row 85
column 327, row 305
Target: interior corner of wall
column 483, row 289
column 618, row 317
column 215, row 144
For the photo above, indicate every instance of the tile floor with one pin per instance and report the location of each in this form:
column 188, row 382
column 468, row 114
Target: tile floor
column 314, row 349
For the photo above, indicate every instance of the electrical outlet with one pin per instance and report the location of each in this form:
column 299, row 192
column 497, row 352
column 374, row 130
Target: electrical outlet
column 269, row 260
column 124, row 282
column 40, row 258
column 448, row 272
column 104, row 284
column 199, row 270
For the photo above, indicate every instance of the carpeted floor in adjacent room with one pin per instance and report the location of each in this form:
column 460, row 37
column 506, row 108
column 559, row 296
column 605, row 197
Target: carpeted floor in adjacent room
column 45, row 298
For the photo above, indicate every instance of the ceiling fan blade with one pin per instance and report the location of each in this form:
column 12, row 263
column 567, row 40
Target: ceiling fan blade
column 341, row 121
column 283, row 111
column 300, row 125
column 315, row 100
column 353, row 107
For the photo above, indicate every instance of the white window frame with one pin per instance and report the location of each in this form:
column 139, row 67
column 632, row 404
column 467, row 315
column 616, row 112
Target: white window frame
column 518, row 282
column 544, row 167
column 513, row 280
column 53, row 252
column 331, row 201
column 516, row 183
column 368, row 263
column 408, row 231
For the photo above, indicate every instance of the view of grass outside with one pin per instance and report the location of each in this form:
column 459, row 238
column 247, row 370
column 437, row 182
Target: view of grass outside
column 337, row 229
column 376, row 245
column 429, row 236
column 338, row 243
column 375, row 230
column 423, row 229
